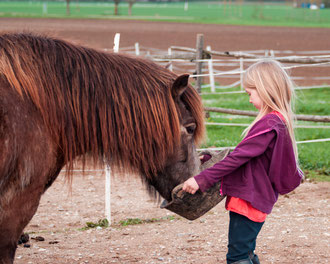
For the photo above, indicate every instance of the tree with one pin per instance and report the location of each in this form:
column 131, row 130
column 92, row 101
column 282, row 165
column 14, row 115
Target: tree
column 130, row 4
column 116, row 6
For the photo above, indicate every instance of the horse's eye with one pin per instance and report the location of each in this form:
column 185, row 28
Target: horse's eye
column 191, row 128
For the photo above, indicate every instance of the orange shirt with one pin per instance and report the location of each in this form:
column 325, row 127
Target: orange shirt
column 243, row 207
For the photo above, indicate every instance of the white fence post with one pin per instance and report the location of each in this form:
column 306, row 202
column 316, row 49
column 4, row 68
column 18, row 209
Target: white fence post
column 137, row 49
column 186, row 5
column 116, row 43
column 210, row 63
column 44, row 9
column 170, row 67
column 241, row 67
column 199, row 63
column 108, row 193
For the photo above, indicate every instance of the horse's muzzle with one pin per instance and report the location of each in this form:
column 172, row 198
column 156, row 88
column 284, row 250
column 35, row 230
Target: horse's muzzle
column 192, row 206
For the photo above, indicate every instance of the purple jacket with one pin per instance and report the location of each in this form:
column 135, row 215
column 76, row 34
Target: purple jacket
column 259, row 168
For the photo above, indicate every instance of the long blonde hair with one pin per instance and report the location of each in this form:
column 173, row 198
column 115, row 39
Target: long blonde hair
column 275, row 89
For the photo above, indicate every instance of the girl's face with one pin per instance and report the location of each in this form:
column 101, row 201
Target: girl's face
column 254, row 98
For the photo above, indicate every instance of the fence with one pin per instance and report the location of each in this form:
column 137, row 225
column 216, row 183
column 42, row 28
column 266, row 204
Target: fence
column 192, row 60
column 234, row 64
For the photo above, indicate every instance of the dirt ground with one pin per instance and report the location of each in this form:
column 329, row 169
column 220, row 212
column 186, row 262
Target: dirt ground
column 297, row 231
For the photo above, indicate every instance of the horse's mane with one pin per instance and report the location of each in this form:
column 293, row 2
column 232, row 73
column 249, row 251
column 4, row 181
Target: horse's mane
column 107, row 105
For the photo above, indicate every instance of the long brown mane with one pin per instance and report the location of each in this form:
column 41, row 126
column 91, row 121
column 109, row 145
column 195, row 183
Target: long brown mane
column 106, row 105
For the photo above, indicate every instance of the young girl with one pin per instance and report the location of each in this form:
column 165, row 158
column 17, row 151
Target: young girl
column 262, row 166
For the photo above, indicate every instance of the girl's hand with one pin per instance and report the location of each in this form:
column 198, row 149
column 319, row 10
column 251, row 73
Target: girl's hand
column 190, row 186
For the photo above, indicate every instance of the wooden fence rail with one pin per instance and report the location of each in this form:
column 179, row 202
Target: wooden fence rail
column 313, row 118
column 238, row 55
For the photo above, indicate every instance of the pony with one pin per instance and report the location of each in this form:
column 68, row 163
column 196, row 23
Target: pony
column 60, row 101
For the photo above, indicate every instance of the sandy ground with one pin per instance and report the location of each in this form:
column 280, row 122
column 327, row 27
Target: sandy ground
column 297, row 231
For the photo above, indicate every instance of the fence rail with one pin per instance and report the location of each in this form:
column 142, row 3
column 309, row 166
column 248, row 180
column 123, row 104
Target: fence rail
column 246, row 125
column 313, row 118
column 298, row 142
column 238, row 55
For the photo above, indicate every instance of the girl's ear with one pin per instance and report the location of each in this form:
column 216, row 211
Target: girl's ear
column 179, row 86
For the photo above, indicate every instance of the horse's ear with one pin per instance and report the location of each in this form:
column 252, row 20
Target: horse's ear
column 180, row 85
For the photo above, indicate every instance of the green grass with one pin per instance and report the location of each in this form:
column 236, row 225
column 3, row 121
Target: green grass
column 314, row 157
column 198, row 12
column 104, row 223
column 138, row 221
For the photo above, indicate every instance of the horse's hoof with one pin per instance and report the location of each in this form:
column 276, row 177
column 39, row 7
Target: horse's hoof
column 24, row 238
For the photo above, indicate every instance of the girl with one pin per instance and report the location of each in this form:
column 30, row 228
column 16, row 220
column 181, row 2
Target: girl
column 262, row 166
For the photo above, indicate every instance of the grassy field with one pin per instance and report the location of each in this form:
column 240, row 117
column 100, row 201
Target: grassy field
column 314, row 157
column 197, row 12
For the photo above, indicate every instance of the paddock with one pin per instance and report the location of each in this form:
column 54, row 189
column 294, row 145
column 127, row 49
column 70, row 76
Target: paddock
column 296, row 231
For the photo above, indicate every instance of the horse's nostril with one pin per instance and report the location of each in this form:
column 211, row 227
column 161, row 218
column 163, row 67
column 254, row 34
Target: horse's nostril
column 182, row 157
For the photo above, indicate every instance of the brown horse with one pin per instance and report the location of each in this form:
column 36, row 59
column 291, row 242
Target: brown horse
column 60, row 101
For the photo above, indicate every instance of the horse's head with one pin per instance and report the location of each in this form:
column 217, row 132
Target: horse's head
column 184, row 162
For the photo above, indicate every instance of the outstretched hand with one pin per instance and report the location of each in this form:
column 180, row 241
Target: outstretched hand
column 190, row 186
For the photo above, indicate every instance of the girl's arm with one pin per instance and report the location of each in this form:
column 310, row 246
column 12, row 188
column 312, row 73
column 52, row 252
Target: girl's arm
column 249, row 148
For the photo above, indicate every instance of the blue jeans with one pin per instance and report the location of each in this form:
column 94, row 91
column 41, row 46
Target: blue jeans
column 242, row 237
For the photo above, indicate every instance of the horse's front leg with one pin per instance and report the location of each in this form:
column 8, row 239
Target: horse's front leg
column 18, row 208
column 15, row 215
